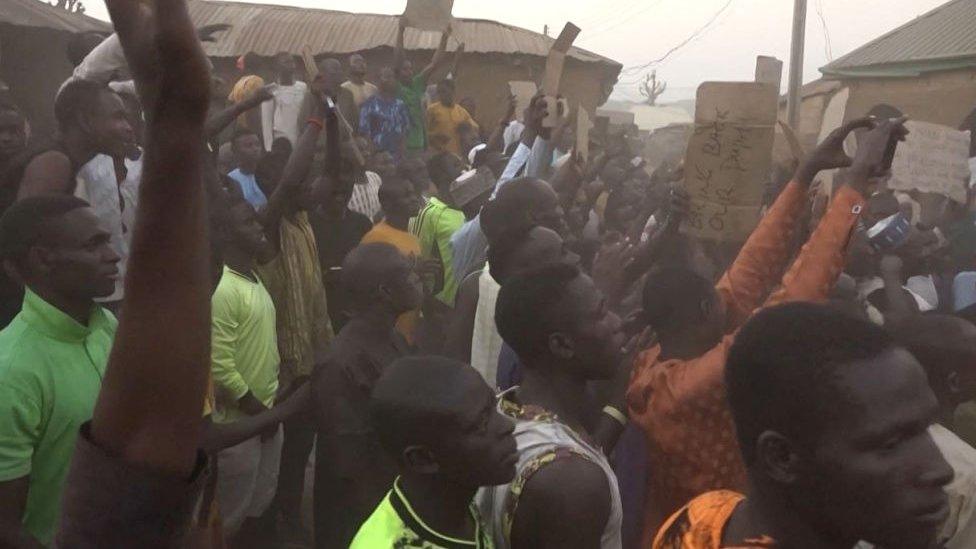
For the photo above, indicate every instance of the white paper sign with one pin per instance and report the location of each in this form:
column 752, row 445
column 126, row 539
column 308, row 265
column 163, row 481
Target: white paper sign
column 933, row 159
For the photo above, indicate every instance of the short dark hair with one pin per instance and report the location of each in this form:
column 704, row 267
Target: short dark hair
column 389, row 186
column 76, row 97
column 502, row 248
column 368, row 266
column 447, row 83
column 416, row 400
column 29, row 222
column 781, row 372
column 242, row 132
column 526, row 311
column 512, row 204
column 936, row 342
column 439, row 168
column 672, row 297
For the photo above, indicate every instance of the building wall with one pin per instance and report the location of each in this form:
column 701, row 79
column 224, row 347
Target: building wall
column 942, row 98
column 484, row 77
column 34, row 65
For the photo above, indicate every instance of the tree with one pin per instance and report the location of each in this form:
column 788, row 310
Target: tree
column 652, row 89
column 74, row 6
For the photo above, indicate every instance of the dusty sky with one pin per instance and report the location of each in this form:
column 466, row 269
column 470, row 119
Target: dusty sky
column 635, row 32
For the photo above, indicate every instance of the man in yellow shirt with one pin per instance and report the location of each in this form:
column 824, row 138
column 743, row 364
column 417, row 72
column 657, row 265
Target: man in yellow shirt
column 446, row 120
column 400, row 203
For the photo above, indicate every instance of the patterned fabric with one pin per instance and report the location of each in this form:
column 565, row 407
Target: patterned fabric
column 701, row 523
column 395, row 524
column 680, row 404
column 385, row 122
column 542, row 439
column 365, row 198
column 294, row 280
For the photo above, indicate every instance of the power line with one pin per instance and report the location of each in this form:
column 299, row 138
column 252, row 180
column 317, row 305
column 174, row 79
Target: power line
column 683, row 43
column 626, row 18
column 828, row 49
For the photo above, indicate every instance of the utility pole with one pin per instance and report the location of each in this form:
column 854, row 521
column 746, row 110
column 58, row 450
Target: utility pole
column 796, row 63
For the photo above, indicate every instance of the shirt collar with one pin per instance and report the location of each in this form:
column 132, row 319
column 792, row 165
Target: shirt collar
column 53, row 322
column 413, row 521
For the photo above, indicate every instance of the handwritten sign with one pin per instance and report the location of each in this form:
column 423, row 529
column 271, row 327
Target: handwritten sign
column 933, row 159
column 728, row 159
column 429, row 15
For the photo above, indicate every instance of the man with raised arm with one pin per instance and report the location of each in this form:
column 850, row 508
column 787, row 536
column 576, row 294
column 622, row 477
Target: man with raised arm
column 413, row 86
column 676, row 394
column 137, row 468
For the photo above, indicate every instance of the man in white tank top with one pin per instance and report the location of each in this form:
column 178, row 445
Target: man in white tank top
column 564, row 493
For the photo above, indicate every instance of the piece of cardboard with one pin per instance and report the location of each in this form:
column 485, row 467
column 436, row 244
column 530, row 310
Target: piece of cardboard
column 932, row 159
column 769, row 70
column 557, row 58
column 523, row 91
column 308, row 58
column 728, row 159
column 429, row 15
column 583, row 126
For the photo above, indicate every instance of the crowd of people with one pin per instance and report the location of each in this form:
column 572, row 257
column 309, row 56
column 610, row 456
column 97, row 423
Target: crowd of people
column 471, row 335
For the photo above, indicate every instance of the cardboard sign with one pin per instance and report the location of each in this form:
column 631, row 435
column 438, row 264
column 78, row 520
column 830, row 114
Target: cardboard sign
column 557, row 58
column 523, row 91
column 728, row 159
column 583, row 134
column 769, row 70
column 429, row 15
column 933, row 159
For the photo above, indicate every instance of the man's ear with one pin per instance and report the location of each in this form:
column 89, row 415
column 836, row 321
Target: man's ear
column 86, row 124
column 777, row 458
column 953, row 383
column 419, row 459
column 562, row 346
column 39, row 261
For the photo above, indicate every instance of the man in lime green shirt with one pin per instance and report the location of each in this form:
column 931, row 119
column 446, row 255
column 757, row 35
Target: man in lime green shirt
column 439, row 419
column 412, row 87
column 52, row 356
column 244, row 365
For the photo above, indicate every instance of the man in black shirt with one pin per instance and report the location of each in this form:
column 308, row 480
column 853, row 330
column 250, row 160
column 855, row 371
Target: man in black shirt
column 337, row 231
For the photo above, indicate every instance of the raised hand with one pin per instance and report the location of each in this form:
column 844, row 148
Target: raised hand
column 830, row 153
column 163, row 52
column 875, row 152
column 206, row 32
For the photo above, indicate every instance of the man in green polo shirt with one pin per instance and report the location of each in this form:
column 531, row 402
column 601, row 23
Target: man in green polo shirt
column 413, row 86
column 244, row 365
column 52, row 356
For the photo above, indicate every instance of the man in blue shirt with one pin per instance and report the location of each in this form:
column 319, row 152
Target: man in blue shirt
column 384, row 118
column 248, row 152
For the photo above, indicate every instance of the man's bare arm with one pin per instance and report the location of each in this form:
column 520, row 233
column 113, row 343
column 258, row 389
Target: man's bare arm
column 565, row 505
column 148, row 411
column 440, row 57
column 217, row 122
column 13, row 501
column 284, row 201
column 47, row 173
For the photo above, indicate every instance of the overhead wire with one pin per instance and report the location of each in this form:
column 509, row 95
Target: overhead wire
column 694, row 36
column 623, row 18
column 828, row 48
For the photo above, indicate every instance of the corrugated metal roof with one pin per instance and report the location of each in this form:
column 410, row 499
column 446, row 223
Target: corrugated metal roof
column 37, row 13
column 267, row 30
column 945, row 33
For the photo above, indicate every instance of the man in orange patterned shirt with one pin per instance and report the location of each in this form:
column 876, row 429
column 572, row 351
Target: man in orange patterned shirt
column 836, row 442
column 677, row 395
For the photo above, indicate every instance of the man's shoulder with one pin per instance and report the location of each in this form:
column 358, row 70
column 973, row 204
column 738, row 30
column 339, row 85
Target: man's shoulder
column 23, row 355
